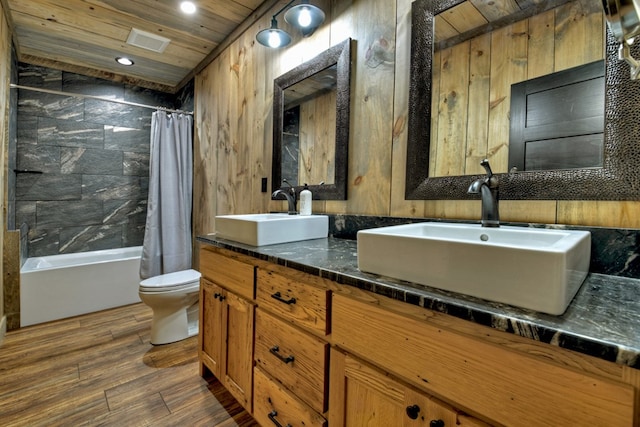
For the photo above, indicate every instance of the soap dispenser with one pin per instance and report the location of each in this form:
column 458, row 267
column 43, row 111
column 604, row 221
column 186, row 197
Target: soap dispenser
column 305, row 201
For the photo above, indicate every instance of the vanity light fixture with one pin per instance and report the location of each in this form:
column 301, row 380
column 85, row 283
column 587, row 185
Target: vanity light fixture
column 304, row 16
column 274, row 36
column 188, row 7
column 122, row 60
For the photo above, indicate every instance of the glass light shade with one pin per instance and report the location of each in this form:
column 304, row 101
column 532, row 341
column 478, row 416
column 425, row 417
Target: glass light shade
column 306, row 17
column 273, row 37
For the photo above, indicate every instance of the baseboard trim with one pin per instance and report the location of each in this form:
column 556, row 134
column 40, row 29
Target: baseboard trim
column 3, row 329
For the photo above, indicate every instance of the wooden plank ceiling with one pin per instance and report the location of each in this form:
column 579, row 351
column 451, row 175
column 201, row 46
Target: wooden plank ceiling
column 86, row 36
column 474, row 17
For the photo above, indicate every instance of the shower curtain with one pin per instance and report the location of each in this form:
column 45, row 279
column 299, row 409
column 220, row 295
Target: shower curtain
column 167, row 235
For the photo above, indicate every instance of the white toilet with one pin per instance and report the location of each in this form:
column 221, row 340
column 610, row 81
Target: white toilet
column 173, row 297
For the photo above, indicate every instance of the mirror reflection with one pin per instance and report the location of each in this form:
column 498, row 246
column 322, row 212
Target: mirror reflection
column 617, row 179
column 476, row 109
column 311, row 113
column 308, row 144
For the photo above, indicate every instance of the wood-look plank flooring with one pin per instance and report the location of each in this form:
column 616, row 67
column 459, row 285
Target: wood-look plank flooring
column 101, row 370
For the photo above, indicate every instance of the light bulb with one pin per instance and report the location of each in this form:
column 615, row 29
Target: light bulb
column 188, row 7
column 124, row 61
column 274, row 39
column 304, row 18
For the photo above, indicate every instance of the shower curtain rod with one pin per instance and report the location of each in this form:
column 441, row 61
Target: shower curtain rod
column 80, row 95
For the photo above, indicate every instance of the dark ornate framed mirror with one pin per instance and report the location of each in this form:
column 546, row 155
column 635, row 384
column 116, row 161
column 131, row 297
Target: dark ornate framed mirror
column 311, row 113
column 617, row 179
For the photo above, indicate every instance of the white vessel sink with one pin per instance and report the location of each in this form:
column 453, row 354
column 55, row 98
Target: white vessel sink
column 538, row 269
column 270, row 229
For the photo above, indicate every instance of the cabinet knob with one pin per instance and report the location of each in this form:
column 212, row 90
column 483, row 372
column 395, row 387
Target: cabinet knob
column 413, row 411
column 436, row 423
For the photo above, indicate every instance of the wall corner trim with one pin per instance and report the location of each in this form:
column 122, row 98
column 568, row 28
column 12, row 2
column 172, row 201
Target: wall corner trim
column 3, row 329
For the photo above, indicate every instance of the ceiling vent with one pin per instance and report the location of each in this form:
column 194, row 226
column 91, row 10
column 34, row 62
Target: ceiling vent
column 147, row 40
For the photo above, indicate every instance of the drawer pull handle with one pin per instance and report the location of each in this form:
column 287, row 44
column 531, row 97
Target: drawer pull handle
column 272, row 416
column 413, row 411
column 275, row 350
column 278, row 296
column 436, row 423
column 219, row 296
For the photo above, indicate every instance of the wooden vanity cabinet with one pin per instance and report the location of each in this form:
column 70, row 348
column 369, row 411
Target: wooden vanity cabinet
column 541, row 385
column 227, row 314
column 296, row 349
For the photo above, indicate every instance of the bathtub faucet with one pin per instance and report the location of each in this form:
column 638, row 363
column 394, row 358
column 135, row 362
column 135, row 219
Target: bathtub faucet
column 290, row 195
column 488, row 189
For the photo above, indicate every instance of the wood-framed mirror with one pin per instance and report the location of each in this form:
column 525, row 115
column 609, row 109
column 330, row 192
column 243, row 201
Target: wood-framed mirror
column 311, row 114
column 617, row 179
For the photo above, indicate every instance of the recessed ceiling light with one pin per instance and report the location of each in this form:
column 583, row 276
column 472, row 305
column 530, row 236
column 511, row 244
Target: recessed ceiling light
column 124, row 61
column 188, row 7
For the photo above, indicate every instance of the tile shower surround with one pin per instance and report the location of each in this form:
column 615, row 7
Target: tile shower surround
column 94, row 159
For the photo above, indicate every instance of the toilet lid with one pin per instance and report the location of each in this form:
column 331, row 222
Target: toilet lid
column 170, row 281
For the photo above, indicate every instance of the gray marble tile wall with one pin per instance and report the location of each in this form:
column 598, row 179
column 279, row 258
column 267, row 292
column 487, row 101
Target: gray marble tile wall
column 88, row 158
column 185, row 99
column 291, row 145
column 13, row 144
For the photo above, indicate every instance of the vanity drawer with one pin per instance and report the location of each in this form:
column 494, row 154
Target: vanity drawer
column 273, row 405
column 303, row 304
column 297, row 359
column 505, row 385
column 233, row 275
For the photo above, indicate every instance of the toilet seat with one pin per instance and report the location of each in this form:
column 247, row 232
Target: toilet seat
column 170, row 281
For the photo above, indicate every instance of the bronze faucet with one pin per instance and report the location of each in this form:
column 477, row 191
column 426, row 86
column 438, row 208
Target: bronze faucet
column 488, row 189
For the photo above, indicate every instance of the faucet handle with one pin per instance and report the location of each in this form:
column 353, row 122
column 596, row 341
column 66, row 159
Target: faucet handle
column 284, row 181
column 491, row 179
column 485, row 164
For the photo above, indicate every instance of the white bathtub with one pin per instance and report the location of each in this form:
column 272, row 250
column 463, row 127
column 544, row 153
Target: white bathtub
column 58, row 286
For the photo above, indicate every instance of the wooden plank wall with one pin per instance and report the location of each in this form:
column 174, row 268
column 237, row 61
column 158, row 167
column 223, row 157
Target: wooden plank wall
column 234, row 121
column 5, row 78
column 475, row 77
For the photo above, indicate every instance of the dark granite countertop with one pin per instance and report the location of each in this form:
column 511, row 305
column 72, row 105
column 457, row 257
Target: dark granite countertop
column 603, row 320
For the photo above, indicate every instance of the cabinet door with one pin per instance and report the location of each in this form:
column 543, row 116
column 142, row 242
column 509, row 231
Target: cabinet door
column 212, row 327
column 364, row 396
column 422, row 410
column 239, row 351
column 361, row 396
